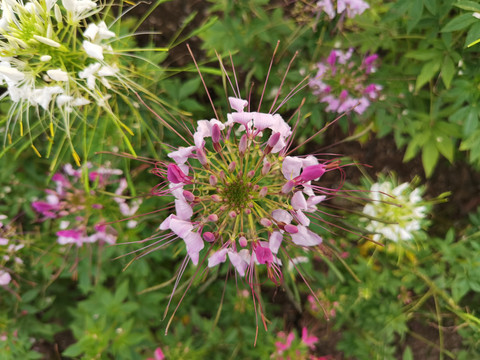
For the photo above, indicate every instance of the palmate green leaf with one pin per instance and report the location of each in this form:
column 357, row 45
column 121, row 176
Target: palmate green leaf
column 448, row 71
column 428, row 72
column 460, row 22
column 429, row 156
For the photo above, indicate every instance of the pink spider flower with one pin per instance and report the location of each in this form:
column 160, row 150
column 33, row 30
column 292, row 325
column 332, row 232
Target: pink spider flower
column 240, row 196
column 77, row 212
column 343, row 84
column 351, row 8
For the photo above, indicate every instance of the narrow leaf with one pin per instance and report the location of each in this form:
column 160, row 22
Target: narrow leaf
column 429, row 157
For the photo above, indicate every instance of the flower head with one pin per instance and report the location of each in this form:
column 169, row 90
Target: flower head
column 240, row 197
column 77, row 212
column 55, row 59
column 396, row 212
column 342, row 83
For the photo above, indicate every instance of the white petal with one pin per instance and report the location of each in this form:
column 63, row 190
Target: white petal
column 93, row 50
column 58, row 75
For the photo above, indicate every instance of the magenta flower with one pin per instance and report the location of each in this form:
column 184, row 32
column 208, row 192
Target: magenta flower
column 308, row 340
column 281, row 347
column 342, row 83
column 157, row 355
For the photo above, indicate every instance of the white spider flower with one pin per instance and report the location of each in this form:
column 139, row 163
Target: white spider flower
column 396, row 212
column 50, row 61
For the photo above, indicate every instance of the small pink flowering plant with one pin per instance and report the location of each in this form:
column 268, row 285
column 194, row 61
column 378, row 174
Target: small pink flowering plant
column 342, row 83
column 289, row 348
column 79, row 212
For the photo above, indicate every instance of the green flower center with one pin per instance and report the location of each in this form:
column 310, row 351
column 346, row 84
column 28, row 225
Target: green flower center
column 237, row 194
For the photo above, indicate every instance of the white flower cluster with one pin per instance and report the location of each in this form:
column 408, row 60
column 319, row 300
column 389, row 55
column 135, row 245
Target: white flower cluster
column 400, row 211
column 48, row 58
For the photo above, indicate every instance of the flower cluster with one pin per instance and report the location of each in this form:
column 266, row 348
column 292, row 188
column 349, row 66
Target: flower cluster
column 288, row 348
column 396, row 212
column 342, row 83
column 351, row 7
column 79, row 211
column 237, row 190
column 53, row 59
column 9, row 261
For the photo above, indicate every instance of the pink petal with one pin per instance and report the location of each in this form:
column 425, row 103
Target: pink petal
column 275, row 241
column 237, row 104
column 5, row 278
column 291, row 167
column 242, row 118
column 217, row 257
column 298, row 201
column 194, row 244
column 183, row 209
column 182, row 154
column 158, row 353
column 181, row 228
column 264, row 255
column 305, row 237
column 308, row 340
column 261, row 121
column 302, row 218
column 282, row 215
column 175, row 174
column 238, row 261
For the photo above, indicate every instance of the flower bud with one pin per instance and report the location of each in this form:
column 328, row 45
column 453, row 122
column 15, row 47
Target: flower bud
column 232, row 214
column 216, row 138
column 201, row 156
column 208, row 236
column 263, row 191
column 213, row 180
column 188, row 195
column 266, row 168
column 265, row 222
column 232, row 166
column 272, row 141
column 242, row 241
column 242, row 147
column 312, row 172
column 213, row 217
column 216, row 198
